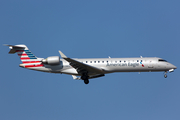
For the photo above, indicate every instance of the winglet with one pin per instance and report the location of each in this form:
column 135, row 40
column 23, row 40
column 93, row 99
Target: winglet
column 62, row 55
column 6, row 45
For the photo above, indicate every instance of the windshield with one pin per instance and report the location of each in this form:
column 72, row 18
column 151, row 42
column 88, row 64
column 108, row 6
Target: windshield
column 161, row 60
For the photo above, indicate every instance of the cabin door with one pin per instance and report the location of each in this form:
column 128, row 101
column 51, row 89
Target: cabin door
column 150, row 65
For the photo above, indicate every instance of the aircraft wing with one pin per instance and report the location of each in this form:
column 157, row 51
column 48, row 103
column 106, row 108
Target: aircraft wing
column 81, row 67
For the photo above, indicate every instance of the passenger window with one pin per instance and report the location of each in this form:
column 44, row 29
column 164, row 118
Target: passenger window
column 137, row 60
column 107, row 61
column 90, row 61
column 94, row 61
column 141, row 60
column 102, row 61
column 86, row 61
column 124, row 61
column 119, row 61
column 115, row 61
column 98, row 61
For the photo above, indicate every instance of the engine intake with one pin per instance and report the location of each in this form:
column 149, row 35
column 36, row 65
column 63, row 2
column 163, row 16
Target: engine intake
column 53, row 60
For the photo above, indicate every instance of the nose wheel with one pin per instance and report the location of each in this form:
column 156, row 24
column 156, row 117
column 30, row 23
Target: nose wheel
column 165, row 74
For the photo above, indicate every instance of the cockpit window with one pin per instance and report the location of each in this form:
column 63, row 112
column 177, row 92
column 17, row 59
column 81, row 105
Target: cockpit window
column 161, row 60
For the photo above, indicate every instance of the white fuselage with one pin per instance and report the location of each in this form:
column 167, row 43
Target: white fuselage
column 110, row 65
column 88, row 68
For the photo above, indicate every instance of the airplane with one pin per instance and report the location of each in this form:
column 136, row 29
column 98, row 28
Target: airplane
column 85, row 69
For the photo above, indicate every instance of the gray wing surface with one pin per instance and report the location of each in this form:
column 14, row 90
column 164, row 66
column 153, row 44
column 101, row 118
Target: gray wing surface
column 81, row 67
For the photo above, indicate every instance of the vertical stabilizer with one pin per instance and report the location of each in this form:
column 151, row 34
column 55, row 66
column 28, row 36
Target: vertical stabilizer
column 27, row 57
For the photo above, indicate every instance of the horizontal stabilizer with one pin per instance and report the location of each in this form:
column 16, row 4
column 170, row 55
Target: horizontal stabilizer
column 12, row 51
column 14, row 48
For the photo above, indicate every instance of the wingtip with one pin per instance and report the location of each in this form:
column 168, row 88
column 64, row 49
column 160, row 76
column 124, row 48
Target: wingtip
column 6, row 45
column 62, row 55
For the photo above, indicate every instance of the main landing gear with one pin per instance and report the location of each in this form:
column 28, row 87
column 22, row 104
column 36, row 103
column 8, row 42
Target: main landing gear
column 86, row 81
column 85, row 78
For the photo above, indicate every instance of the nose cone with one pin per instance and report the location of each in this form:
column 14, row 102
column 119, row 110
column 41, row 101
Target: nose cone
column 173, row 66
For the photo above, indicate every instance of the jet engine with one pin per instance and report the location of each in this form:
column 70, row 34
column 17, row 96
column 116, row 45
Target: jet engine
column 53, row 60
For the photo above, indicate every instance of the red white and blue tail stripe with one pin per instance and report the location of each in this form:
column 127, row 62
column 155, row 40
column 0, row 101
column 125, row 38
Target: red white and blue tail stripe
column 27, row 57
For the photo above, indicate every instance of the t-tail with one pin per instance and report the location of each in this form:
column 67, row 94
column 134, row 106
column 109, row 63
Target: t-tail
column 27, row 57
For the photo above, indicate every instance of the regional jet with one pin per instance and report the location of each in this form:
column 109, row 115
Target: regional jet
column 85, row 69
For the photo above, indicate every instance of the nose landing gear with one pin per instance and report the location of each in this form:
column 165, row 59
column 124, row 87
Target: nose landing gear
column 165, row 74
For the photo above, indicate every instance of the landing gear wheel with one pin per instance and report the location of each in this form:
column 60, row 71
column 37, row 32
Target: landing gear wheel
column 165, row 76
column 85, row 77
column 86, row 81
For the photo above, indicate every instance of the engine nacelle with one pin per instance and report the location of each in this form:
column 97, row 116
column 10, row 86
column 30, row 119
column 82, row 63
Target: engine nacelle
column 53, row 60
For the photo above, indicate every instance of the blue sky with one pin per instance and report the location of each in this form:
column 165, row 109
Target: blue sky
column 90, row 29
